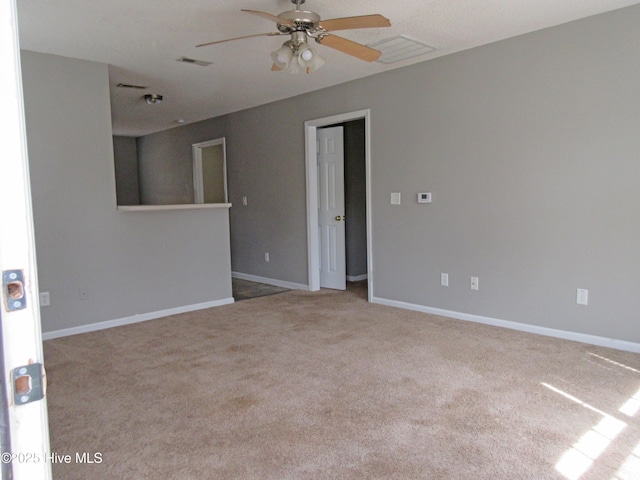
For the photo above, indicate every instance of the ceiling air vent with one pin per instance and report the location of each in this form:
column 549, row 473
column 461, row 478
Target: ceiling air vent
column 128, row 85
column 400, row 48
column 194, row 62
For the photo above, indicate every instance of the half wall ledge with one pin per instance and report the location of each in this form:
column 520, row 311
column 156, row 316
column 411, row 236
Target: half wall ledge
column 186, row 206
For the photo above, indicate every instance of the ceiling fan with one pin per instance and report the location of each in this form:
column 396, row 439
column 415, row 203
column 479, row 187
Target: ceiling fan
column 296, row 54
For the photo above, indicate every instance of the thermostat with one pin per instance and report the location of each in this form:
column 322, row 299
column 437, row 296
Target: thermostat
column 424, row 197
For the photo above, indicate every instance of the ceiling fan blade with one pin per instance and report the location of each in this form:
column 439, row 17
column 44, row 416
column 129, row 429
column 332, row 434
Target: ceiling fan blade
column 273, row 18
column 275, row 68
column 271, row 34
column 347, row 23
column 351, row 48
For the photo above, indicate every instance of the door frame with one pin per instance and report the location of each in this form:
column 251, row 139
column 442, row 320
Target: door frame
column 198, row 180
column 21, row 327
column 311, row 162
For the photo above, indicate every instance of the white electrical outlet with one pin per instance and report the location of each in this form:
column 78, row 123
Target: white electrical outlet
column 475, row 283
column 45, row 299
column 266, row 256
column 244, row 200
column 582, row 297
column 395, row 198
column 444, row 279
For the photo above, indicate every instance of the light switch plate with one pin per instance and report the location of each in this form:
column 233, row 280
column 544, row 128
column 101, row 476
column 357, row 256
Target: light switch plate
column 395, row 198
column 45, row 299
column 582, row 297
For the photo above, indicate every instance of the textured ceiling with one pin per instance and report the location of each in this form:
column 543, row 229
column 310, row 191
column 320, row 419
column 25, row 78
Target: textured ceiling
column 142, row 39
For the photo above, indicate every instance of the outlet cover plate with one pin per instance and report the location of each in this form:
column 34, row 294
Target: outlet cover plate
column 45, row 299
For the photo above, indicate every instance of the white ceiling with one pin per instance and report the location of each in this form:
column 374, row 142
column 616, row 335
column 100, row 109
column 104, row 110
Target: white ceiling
column 142, row 39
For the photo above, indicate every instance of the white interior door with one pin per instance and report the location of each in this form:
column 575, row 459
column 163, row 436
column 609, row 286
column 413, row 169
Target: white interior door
column 331, row 219
column 19, row 309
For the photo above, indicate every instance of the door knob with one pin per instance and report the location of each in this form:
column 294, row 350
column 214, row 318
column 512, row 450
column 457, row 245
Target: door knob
column 340, row 217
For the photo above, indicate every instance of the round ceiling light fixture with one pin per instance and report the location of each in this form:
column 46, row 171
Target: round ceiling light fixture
column 153, row 98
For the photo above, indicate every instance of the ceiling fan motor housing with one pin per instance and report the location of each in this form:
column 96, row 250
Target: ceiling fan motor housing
column 303, row 21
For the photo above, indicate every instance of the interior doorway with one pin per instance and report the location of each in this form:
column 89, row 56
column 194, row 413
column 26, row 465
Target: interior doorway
column 358, row 182
column 210, row 172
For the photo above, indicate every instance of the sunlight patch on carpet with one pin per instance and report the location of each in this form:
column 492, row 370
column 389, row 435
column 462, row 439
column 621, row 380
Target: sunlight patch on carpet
column 631, row 406
column 579, row 458
column 627, row 367
column 631, row 466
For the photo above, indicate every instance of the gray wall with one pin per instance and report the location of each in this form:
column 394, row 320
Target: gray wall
column 165, row 175
column 130, row 263
column 530, row 147
column 272, row 179
column 125, row 154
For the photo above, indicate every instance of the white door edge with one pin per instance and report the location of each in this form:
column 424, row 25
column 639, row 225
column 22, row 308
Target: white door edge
column 21, row 332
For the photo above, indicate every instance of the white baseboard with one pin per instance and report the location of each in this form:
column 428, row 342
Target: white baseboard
column 357, row 278
column 270, row 281
column 143, row 317
column 549, row 332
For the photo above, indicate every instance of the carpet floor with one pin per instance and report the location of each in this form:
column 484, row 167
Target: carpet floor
column 324, row 385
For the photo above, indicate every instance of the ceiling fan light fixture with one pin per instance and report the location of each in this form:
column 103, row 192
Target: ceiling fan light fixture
column 310, row 59
column 306, row 55
column 282, row 56
column 295, row 55
column 293, row 68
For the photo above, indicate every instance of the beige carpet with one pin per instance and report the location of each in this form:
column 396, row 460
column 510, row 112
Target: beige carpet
column 324, row 385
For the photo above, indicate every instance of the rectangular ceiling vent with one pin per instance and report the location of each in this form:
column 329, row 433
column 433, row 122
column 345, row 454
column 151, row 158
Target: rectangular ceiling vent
column 129, row 85
column 400, row 48
column 194, row 62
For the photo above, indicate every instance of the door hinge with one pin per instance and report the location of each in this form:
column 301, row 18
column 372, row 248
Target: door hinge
column 29, row 383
